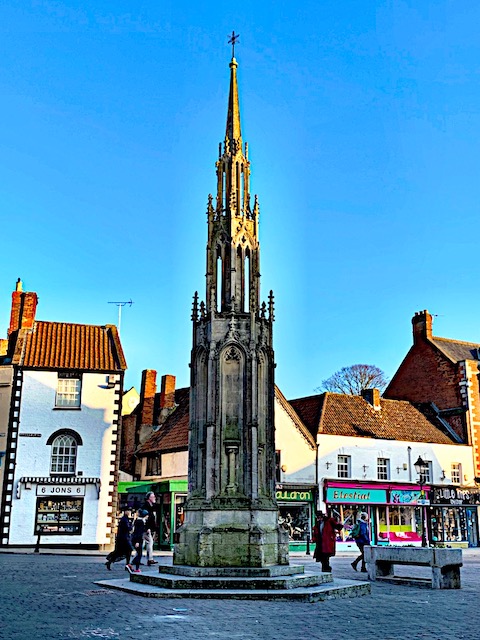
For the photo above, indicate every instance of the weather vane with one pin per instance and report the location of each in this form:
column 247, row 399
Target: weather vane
column 233, row 40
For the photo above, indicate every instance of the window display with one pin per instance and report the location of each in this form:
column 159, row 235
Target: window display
column 57, row 516
column 295, row 518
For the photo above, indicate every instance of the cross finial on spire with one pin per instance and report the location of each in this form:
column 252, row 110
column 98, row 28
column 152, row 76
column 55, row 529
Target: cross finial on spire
column 233, row 40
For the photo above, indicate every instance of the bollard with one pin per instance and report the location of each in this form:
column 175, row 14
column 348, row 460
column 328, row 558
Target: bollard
column 308, row 546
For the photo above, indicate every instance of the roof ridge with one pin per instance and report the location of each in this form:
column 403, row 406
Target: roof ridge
column 476, row 344
column 76, row 324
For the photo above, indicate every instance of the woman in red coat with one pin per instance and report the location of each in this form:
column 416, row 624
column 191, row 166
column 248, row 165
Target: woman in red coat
column 325, row 537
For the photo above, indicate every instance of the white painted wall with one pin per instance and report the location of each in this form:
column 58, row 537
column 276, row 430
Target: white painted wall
column 366, row 451
column 174, row 465
column 93, row 422
column 296, row 454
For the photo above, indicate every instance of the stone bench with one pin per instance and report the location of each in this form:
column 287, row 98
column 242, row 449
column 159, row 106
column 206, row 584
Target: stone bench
column 445, row 564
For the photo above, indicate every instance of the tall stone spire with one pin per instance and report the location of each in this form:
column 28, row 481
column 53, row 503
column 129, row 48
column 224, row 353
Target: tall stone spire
column 231, row 515
column 233, row 132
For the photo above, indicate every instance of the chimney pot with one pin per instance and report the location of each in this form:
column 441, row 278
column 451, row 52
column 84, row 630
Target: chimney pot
column 148, row 390
column 24, row 307
column 422, row 326
column 167, row 393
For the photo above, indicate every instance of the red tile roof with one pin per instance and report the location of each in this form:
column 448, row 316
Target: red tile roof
column 62, row 345
column 346, row 415
column 173, row 434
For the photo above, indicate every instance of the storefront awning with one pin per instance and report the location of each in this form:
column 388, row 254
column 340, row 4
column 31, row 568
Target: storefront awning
column 140, row 486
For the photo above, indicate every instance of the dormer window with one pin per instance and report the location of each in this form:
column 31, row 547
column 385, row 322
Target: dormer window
column 69, row 388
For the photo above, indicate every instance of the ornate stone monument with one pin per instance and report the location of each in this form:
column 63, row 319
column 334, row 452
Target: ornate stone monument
column 231, row 517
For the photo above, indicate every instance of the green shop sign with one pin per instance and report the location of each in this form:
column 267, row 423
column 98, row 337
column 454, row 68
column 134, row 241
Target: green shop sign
column 356, row 495
column 294, row 495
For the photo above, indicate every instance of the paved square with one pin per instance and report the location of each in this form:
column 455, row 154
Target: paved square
column 52, row 597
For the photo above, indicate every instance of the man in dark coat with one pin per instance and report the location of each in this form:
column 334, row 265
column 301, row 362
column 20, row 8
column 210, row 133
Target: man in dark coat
column 123, row 543
column 150, row 525
column 325, row 538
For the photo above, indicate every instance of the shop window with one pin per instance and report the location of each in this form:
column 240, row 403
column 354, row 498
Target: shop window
column 456, row 473
column 383, row 469
column 64, row 452
column 295, row 519
column 154, row 465
column 69, row 388
column 344, row 466
column 57, row 516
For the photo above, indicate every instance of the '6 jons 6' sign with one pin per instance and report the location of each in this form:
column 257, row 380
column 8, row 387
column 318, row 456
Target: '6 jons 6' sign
column 60, row 490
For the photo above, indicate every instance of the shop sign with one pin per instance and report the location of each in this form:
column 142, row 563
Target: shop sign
column 60, row 490
column 356, row 495
column 455, row 496
column 294, row 495
column 408, row 496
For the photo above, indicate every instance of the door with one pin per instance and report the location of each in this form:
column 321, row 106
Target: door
column 472, row 526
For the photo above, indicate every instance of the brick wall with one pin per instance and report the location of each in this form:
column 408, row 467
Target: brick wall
column 426, row 375
column 473, row 394
column 24, row 306
column 127, row 460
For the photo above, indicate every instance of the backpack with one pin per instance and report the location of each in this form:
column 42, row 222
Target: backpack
column 356, row 531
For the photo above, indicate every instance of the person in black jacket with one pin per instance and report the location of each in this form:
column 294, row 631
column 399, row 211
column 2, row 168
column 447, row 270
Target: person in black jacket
column 150, row 526
column 123, row 543
column 137, row 540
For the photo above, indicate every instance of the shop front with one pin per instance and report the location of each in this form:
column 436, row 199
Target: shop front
column 131, row 495
column 396, row 511
column 57, row 511
column 453, row 516
column 296, row 512
column 171, row 496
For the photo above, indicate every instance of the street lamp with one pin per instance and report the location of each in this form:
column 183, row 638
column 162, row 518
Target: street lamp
column 421, row 467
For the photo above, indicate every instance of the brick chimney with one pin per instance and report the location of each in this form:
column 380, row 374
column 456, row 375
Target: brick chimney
column 422, row 326
column 167, row 393
column 148, row 390
column 24, row 306
column 372, row 396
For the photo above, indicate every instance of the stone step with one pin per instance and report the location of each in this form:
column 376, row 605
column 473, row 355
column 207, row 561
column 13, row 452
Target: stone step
column 232, row 572
column 169, row 581
column 336, row 589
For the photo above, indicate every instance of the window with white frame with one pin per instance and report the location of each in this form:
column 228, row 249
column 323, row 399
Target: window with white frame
column 69, row 388
column 383, row 469
column 428, row 472
column 344, row 466
column 64, row 455
column 456, row 473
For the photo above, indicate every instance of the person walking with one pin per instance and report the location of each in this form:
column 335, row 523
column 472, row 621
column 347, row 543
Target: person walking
column 325, row 538
column 151, row 526
column 123, row 543
column 361, row 536
column 137, row 540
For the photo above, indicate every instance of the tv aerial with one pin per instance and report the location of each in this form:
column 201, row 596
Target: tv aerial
column 120, row 305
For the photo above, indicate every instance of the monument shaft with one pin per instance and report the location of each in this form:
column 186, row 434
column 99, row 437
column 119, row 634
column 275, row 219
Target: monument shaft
column 231, row 513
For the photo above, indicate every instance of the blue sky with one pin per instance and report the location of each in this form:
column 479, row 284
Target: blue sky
column 363, row 124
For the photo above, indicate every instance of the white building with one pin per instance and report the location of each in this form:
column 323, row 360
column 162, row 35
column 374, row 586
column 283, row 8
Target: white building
column 62, row 449
column 367, row 450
